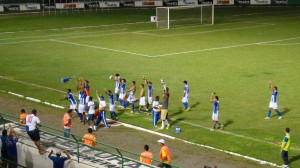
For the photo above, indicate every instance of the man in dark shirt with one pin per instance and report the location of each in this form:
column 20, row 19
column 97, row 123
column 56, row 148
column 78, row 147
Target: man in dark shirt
column 4, row 156
column 58, row 161
column 11, row 143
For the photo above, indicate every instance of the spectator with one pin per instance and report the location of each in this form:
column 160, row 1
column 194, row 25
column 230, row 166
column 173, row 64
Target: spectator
column 67, row 123
column 146, row 156
column 23, row 116
column 89, row 139
column 12, row 152
column 31, row 121
column 285, row 146
column 4, row 156
column 58, row 161
column 164, row 155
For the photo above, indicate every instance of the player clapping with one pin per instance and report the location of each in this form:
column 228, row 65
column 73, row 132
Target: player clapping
column 215, row 100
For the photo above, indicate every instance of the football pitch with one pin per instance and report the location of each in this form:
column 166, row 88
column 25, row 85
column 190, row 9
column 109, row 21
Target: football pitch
column 236, row 58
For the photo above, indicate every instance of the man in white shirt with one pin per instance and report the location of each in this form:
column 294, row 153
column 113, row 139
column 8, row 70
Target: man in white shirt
column 31, row 121
column 102, row 113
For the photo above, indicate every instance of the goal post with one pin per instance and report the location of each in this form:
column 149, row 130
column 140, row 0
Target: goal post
column 167, row 17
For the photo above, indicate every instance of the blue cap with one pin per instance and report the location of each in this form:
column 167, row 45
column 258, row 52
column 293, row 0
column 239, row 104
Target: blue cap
column 102, row 97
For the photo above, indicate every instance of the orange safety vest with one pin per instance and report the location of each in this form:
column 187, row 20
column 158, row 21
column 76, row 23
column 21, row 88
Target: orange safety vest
column 23, row 118
column 146, row 157
column 168, row 155
column 67, row 121
column 89, row 139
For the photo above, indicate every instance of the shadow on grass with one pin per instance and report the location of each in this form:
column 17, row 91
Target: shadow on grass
column 227, row 123
column 195, row 105
column 285, row 110
column 294, row 158
column 175, row 114
column 174, row 122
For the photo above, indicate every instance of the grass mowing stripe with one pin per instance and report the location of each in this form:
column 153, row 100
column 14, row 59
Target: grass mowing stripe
column 102, row 48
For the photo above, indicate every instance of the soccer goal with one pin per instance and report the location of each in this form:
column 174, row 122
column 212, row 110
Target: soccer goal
column 167, row 17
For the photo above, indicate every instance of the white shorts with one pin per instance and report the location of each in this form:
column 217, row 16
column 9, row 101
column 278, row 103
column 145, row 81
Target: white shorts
column 142, row 101
column 150, row 100
column 215, row 116
column 111, row 107
column 121, row 96
column 81, row 108
column 73, row 106
column 273, row 105
column 87, row 98
column 117, row 90
column 131, row 98
column 185, row 100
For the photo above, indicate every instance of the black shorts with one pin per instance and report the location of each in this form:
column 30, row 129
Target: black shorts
column 34, row 134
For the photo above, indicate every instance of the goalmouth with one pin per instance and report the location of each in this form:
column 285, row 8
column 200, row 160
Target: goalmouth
column 167, row 17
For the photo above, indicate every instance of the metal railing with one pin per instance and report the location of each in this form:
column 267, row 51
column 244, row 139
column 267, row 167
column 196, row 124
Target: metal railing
column 84, row 154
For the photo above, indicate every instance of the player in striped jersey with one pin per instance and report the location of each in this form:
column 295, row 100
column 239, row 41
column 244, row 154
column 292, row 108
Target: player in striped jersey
column 102, row 114
column 273, row 102
column 131, row 99
column 150, row 92
column 82, row 105
column 116, row 79
column 122, row 95
column 185, row 96
column 215, row 100
column 69, row 96
column 113, row 114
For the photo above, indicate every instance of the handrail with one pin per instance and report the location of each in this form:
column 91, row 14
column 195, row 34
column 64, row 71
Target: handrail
column 78, row 142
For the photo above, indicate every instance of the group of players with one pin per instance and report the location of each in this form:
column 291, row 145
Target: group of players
column 127, row 96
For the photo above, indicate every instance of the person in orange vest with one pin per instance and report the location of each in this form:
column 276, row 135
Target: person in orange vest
column 23, row 116
column 67, row 123
column 164, row 155
column 146, row 156
column 89, row 139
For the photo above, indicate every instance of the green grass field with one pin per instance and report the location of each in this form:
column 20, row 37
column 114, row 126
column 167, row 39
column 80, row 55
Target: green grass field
column 247, row 47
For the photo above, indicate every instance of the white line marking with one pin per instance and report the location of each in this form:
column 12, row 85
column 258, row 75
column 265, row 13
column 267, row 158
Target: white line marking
column 98, row 47
column 29, row 41
column 282, row 44
column 204, row 32
column 63, row 34
column 32, row 84
column 179, row 139
column 226, row 47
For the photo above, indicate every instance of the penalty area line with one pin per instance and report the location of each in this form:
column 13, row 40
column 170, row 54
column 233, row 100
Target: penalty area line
column 98, row 47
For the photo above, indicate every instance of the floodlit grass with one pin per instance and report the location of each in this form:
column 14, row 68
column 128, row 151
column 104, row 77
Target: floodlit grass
column 234, row 58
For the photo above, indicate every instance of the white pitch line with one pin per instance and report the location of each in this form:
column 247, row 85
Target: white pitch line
column 29, row 41
column 282, row 44
column 226, row 47
column 209, row 31
column 32, row 84
column 102, row 48
column 63, row 34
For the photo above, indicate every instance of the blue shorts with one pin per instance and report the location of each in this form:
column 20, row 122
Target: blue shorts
column 90, row 116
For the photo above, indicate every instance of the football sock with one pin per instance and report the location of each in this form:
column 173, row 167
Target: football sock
column 117, row 97
column 269, row 113
column 278, row 112
column 121, row 102
column 132, row 106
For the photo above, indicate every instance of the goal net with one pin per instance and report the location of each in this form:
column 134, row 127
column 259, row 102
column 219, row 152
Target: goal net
column 167, row 17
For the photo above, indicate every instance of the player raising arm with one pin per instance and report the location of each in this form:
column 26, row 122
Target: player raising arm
column 215, row 100
column 150, row 91
column 273, row 102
